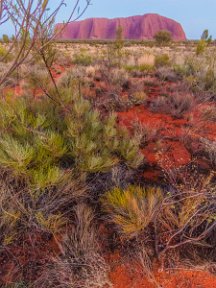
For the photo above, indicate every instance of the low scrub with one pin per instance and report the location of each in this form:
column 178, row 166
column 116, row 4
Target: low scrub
column 80, row 263
column 145, row 68
column 163, row 37
column 4, row 55
column 132, row 209
column 162, row 60
column 82, row 58
column 175, row 104
column 209, row 114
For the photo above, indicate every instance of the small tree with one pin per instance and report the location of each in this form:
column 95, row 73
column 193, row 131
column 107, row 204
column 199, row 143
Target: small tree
column 205, row 36
column 119, row 44
column 201, row 47
column 163, row 37
column 5, row 38
column 114, row 51
column 203, row 42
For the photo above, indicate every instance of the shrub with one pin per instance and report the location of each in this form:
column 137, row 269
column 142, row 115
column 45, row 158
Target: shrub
column 5, row 38
column 131, row 209
column 187, row 219
column 10, row 216
column 201, row 47
column 82, row 58
column 141, row 68
column 166, row 73
column 184, row 70
column 37, row 139
column 115, row 52
column 95, row 144
column 210, row 80
column 205, row 36
column 80, row 260
column 118, row 76
column 209, row 113
column 4, row 55
column 209, row 148
column 119, row 45
column 175, row 104
column 62, row 59
column 146, row 133
column 163, row 37
column 162, row 60
column 139, row 97
column 199, row 72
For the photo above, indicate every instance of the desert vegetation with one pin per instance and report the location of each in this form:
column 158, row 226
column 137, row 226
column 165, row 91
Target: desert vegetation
column 107, row 158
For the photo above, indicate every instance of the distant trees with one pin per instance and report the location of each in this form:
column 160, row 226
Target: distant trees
column 205, row 36
column 5, row 38
column 29, row 18
column 163, row 37
column 203, row 42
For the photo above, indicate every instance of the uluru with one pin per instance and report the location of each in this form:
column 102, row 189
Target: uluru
column 142, row 27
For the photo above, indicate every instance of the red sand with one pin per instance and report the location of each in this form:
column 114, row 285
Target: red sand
column 121, row 277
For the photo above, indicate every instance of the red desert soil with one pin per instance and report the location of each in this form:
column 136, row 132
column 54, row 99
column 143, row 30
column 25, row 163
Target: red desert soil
column 27, row 259
column 16, row 262
column 122, row 277
column 168, row 152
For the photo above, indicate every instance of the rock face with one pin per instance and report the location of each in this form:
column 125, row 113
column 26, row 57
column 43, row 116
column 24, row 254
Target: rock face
column 135, row 27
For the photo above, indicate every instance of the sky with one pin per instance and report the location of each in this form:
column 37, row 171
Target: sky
column 194, row 15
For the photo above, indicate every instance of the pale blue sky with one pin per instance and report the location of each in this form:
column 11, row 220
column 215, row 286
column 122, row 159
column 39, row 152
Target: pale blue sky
column 194, row 15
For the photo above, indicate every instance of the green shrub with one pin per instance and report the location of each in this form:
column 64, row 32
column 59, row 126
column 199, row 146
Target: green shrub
column 132, row 209
column 37, row 139
column 5, row 38
column 163, row 37
column 141, row 68
column 139, row 97
column 181, row 70
column 201, row 47
column 119, row 45
column 95, row 144
column 82, row 59
column 205, row 36
column 210, row 80
column 44, row 147
column 162, row 60
column 4, row 56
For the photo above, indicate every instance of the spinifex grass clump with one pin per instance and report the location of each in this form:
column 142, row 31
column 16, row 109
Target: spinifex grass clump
column 132, row 209
column 40, row 139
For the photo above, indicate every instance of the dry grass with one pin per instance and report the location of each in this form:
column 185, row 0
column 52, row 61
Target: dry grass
column 80, row 263
column 175, row 104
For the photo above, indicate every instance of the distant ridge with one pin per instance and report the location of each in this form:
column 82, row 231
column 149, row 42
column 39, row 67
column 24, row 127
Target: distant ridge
column 135, row 27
